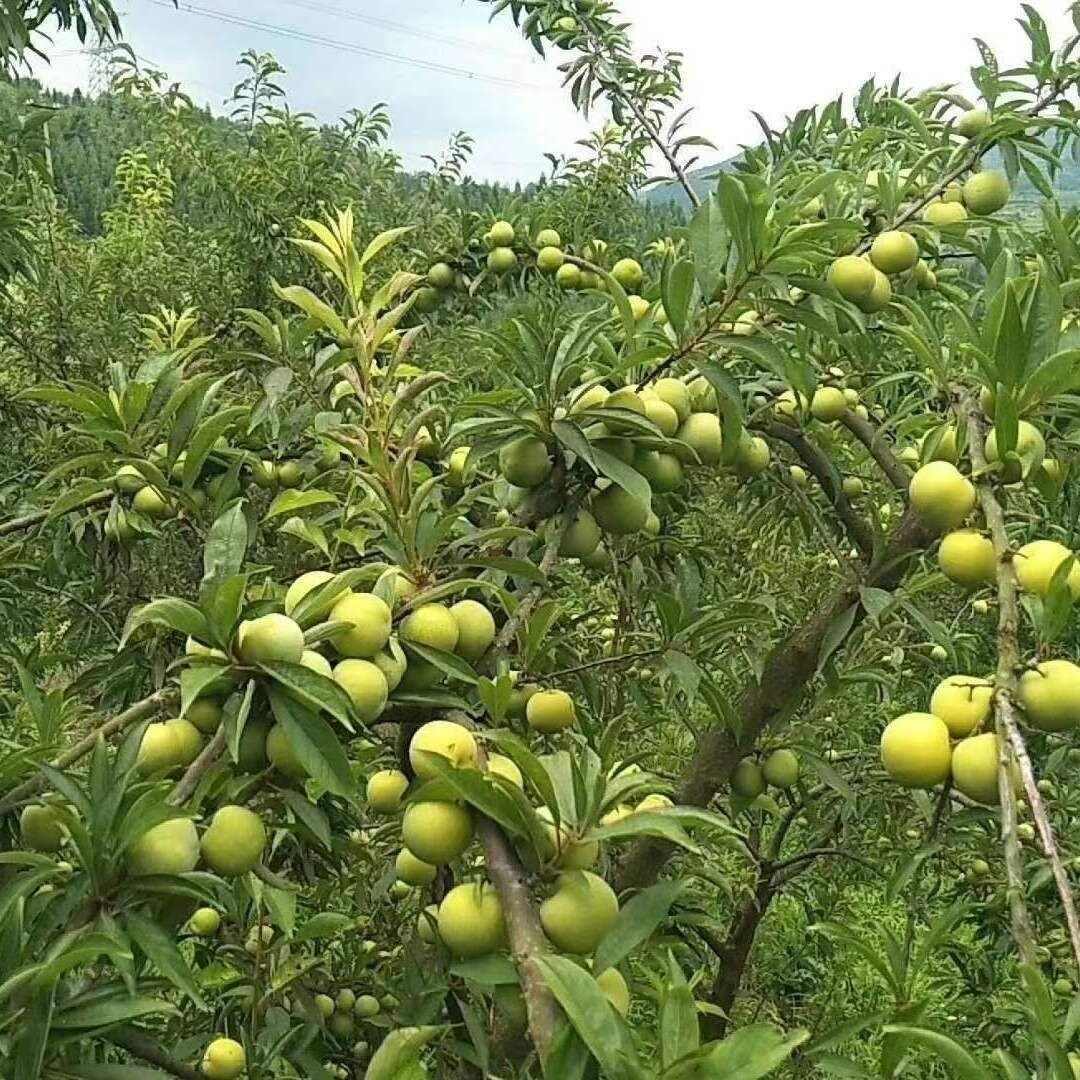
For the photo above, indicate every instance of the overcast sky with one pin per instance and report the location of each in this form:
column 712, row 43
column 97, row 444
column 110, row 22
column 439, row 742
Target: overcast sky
column 441, row 66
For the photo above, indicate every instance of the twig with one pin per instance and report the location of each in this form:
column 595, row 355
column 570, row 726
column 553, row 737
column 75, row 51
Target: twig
column 139, row 711
column 140, row 1044
column 187, row 783
column 825, row 474
column 1005, row 682
column 879, row 450
column 29, row 520
column 624, row 658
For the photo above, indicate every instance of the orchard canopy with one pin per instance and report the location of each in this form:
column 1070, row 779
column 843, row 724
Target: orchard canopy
column 578, row 633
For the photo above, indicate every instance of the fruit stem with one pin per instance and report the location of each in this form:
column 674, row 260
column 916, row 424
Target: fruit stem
column 187, row 783
column 140, row 1044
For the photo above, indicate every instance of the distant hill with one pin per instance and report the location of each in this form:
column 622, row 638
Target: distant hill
column 703, row 180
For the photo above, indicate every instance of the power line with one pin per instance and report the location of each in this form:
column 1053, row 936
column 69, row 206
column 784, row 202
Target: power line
column 402, row 28
column 351, row 47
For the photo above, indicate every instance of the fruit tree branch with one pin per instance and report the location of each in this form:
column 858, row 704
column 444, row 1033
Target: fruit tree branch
column 878, row 449
column 1011, row 746
column 28, row 521
column 140, row 1044
column 139, row 711
column 787, row 672
column 825, row 474
column 186, row 785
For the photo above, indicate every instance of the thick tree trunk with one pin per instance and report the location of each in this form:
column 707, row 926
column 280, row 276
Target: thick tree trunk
column 788, row 671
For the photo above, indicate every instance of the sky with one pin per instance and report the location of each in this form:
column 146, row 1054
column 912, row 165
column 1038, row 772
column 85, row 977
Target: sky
column 441, row 66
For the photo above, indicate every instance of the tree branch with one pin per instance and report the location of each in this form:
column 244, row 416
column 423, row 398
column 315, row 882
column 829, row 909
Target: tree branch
column 139, row 1044
column 786, row 674
column 187, row 783
column 139, row 711
column 879, row 450
column 27, row 521
column 823, row 471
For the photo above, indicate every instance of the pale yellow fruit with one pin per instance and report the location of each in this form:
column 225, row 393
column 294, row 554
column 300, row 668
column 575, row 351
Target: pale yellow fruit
column 944, row 446
column 828, row 404
column 915, row 750
column 151, row 502
column 370, row 620
column 791, row 405
column 972, row 123
column 224, row 1059
column 581, row 537
column 963, row 702
column 753, row 457
column 187, row 740
column 270, row 638
column 894, row 252
column 613, row 987
column 501, row 234
column 880, row 294
column 158, row 750
column 674, row 392
column 392, row 663
column 436, row 832
column 662, row 415
column 366, row 686
column 618, row 512
column 448, row 740
column 471, row 921
column 852, row 277
column 941, row 496
column 413, row 871
column 500, row 765
column 594, row 397
column 628, row 273
column 386, row 789
column 747, row 780
column 580, row 912
column 341, row 1026
column 304, row 584
column 550, row 711
column 617, row 813
column 205, row 714
column 282, row 754
column 1037, row 562
column 943, row 215
column 345, row 1000
column 169, row 848
column 40, row 828
column 235, row 841
column 205, row 922
column 702, row 433
column 432, row 625
column 975, row 768
column 967, row 558
column 985, row 192
column 1050, row 695
column 366, row 1007
column 318, row 663
column 476, row 628
column 525, row 462
column 781, row 769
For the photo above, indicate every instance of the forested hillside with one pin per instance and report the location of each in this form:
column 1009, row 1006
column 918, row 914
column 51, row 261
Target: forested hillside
column 539, row 634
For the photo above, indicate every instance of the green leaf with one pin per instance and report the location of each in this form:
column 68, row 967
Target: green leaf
column 638, row 918
column 202, row 442
column 591, row 1014
column 960, row 1062
column 314, row 743
column 323, row 925
column 176, row 614
column 492, row 970
column 749, row 1053
column 709, row 243
column 679, row 1031
column 115, row 1010
column 288, row 502
column 311, row 689
column 480, row 792
column 677, row 294
column 452, row 665
column 399, row 1050
column 160, row 949
column 661, row 824
column 312, row 817
column 226, row 544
